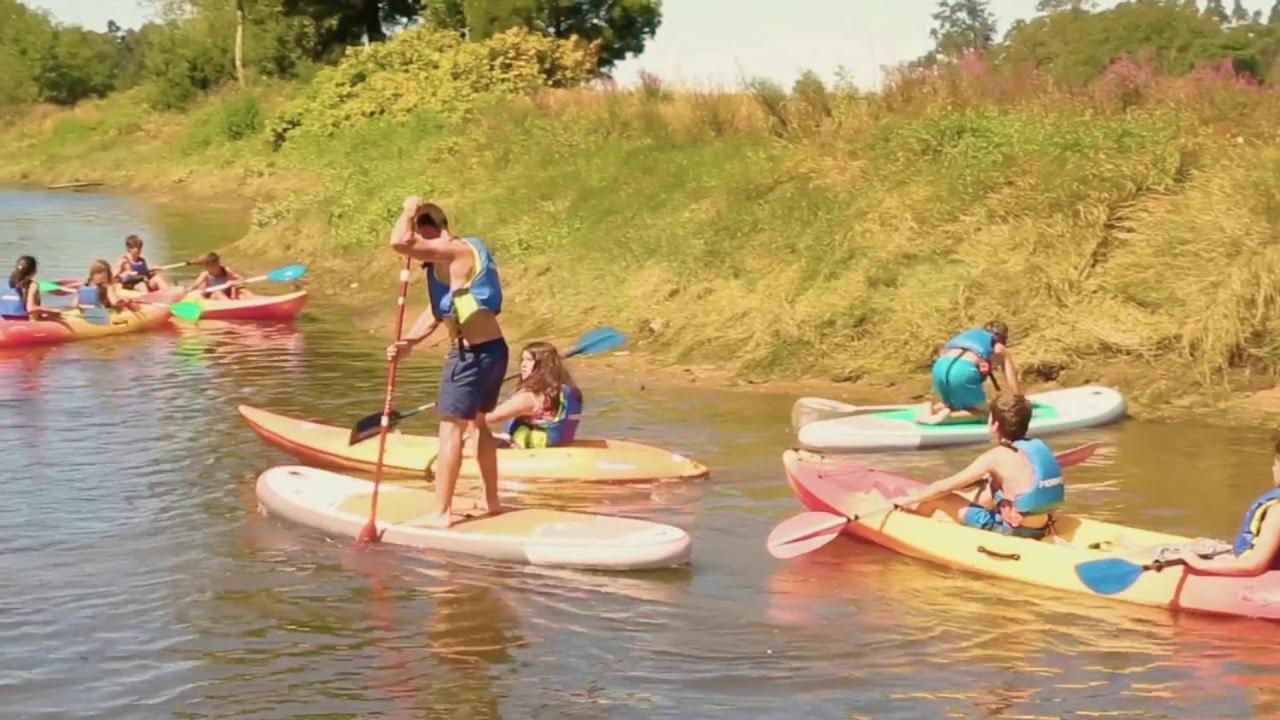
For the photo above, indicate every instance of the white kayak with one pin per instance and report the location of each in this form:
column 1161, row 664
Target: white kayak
column 339, row 504
column 895, row 428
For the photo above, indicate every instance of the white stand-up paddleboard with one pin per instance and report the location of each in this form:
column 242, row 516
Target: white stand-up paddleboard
column 340, row 504
column 894, row 428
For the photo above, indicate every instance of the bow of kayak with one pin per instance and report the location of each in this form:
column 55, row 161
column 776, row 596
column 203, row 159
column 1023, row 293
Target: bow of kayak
column 340, row 504
column 411, row 455
column 847, row 487
column 256, row 307
column 1055, row 411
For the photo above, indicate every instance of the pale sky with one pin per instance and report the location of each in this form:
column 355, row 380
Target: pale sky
column 717, row 42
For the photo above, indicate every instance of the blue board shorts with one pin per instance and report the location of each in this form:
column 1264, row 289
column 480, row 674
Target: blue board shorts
column 958, row 383
column 472, row 380
column 976, row 516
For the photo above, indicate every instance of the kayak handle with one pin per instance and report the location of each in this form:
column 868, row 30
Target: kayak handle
column 1003, row 556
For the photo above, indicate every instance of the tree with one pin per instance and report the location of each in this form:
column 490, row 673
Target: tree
column 350, row 22
column 962, row 26
column 1052, row 6
column 622, row 27
column 1239, row 15
column 1214, row 9
column 240, row 43
column 1274, row 17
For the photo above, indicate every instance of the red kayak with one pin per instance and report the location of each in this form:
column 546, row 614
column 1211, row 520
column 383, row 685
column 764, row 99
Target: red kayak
column 253, row 307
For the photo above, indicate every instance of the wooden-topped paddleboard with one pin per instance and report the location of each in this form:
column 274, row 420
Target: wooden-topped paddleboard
column 340, row 504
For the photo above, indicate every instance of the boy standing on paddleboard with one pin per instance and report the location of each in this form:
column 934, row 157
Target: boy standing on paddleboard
column 465, row 295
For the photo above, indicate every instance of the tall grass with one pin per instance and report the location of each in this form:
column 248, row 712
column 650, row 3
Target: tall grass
column 827, row 231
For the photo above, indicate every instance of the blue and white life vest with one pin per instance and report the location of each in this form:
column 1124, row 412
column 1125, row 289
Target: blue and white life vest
column 13, row 301
column 977, row 341
column 553, row 429
column 89, row 296
column 1248, row 534
column 482, row 291
column 1047, row 491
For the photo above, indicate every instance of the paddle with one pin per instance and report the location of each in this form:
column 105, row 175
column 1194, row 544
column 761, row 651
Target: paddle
column 592, row 342
column 1109, row 576
column 369, row 534
column 285, row 273
column 809, row 531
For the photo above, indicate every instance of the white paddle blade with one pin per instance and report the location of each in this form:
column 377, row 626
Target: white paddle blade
column 804, row 533
column 812, row 409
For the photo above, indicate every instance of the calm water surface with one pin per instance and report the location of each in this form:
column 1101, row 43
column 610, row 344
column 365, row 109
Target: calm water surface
column 137, row 578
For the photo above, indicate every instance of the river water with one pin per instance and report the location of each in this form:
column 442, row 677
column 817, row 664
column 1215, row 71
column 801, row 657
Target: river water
column 137, row 578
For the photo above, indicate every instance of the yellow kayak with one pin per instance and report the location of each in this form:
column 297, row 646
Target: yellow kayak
column 413, row 455
column 847, row 487
column 71, row 326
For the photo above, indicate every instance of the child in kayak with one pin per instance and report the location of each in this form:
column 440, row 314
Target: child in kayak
column 132, row 268
column 1256, row 548
column 20, row 294
column 1021, row 480
column 214, row 274
column 546, row 407
column 100, row 289
column 965, row 361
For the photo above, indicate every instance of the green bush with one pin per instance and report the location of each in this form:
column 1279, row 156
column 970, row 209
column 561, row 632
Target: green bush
column 233, row 119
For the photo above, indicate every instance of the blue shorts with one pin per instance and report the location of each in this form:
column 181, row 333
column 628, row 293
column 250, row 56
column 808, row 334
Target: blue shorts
column 472, row 380
column 976, row 516
column 958, row 383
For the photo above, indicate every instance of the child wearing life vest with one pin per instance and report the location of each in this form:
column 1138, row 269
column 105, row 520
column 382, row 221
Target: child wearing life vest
column 20, row 293
column 1020, row 480
column 1256, row 548
column 215, row 274
column 100, row 289
column 133, row 270
column 546, row 407
column 962, row 366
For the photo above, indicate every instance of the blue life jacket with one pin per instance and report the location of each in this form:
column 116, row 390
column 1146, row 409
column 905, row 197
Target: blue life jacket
column 13, row 301
column 977, row 341
column 555, row 431
column 1048, row 492
column 89, row 296
column 139, row 266
column 483, row 291
column 1253, row 523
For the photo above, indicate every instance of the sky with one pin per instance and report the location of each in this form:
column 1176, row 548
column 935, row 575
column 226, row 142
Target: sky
column 717, row 43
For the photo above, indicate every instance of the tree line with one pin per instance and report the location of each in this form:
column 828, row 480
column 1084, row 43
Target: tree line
column 195, row 45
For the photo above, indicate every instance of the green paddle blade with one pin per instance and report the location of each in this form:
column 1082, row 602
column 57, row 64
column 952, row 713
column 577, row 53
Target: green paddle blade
column 186, row 310
column 49, row 286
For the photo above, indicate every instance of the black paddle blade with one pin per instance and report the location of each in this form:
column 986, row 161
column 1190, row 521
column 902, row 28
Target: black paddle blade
column 370, row 425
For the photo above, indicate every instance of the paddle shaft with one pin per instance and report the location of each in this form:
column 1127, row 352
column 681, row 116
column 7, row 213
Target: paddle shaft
column 370, row 533
column 234, row 283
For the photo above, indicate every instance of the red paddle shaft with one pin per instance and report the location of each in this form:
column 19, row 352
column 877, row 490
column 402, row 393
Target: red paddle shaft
column 370, row 532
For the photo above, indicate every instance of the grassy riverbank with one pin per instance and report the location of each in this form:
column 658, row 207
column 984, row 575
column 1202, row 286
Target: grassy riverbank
column 1126, row 231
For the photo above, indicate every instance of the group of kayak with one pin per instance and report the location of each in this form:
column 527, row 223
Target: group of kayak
column 1001, row 515
column 127, row 296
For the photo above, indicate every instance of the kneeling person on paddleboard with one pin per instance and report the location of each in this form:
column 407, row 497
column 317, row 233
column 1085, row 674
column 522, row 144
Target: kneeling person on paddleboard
column 547, row 406
column 215, row 274
column 1256, row 548
column 466, row 296
column 962, row 366
column 1020, row 480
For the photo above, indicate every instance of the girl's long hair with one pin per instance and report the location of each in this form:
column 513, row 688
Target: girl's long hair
column 548, row 374
column 23, row 271
column 103, row 267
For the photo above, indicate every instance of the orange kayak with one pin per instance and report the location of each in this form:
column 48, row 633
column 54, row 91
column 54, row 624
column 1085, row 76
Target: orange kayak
column 412, row 455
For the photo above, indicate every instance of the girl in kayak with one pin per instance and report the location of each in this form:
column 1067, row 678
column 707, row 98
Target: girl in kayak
column 214, row 274
column 20, row 294
column 1020, row 480
column 132, row 268
column 546, row 407
column 100, row 289
column 1256, row 548
column 965, row 361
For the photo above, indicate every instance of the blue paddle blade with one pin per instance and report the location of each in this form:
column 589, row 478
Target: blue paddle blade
column 597, row 341
column 287, row 273
column 1109, row 576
